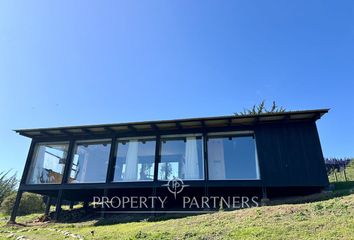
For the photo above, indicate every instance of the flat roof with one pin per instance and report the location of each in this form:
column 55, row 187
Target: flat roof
column 176, row 124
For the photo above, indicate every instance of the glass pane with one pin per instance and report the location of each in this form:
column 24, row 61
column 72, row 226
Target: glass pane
column 232, row 158
column 48, row 163
column 135, row 160
column 182, row 158
column 90, row 162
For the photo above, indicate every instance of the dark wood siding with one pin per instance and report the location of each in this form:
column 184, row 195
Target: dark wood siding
column 290, row 154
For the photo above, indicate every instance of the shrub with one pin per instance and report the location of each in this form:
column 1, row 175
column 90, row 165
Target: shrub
column 30, row 203
column 7, row 185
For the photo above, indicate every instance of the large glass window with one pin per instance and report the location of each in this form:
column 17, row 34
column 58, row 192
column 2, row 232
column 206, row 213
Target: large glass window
column 90, row 162
column 181, row 157
column 48, row 163
column 232, row 157
column 135, row 159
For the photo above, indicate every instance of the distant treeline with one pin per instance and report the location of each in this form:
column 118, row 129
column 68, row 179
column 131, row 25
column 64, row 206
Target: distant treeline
column 337, row 165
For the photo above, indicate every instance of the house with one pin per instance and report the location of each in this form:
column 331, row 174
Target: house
column 271, row 155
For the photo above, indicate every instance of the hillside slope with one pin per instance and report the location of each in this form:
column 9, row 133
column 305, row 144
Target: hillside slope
column 330, row 219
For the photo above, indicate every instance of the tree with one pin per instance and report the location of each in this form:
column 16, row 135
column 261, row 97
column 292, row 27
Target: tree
column 7, row 185
column 261, row 108
column 166, row 170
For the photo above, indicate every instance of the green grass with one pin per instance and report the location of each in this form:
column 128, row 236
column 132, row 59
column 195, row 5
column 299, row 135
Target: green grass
column 327, row 215
column 323, row 219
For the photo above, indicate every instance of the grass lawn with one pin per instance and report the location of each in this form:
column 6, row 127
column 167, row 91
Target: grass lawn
column 320, row 216
column 326, row 219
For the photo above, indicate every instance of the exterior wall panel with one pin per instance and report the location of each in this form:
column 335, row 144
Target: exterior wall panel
column 290, row 155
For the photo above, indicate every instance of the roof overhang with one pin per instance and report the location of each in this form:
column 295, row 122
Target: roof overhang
column 177, row 124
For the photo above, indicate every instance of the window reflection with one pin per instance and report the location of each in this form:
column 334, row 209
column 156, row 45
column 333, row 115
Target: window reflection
column 181, row 157
column 135, row 160
column 48, row 163
column 90, row 162
column 232, row 157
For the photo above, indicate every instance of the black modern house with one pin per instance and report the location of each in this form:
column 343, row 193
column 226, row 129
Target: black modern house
column 270, row 155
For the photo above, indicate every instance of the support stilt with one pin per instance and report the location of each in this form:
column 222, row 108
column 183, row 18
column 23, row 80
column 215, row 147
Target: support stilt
column 15, row 208
column 58, row 205
column 265, row 199
column 47, row 206
column 86, row 206
column 104, row 208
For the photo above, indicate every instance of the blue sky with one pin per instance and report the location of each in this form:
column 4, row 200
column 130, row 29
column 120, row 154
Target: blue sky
column 89, row 62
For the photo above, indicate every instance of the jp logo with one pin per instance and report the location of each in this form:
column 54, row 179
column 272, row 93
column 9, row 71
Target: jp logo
column 175, row 186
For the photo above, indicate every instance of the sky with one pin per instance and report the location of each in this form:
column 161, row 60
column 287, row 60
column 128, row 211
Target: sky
column 91, row 62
